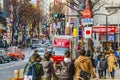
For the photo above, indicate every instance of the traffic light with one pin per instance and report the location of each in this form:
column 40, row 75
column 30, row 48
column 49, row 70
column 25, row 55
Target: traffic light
column 55, row 15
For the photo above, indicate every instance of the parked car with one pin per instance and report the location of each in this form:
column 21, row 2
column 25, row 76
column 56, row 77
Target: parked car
column 4, row 56
column 15, row 54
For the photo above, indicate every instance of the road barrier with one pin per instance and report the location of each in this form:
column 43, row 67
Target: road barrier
column 18, row 75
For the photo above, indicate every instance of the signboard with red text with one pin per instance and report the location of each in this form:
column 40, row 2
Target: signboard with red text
column 102, row 29
column 62, row 43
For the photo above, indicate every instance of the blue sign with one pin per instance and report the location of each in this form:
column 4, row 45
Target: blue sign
column 80, row 33
column 111, row 38
column 87, row 20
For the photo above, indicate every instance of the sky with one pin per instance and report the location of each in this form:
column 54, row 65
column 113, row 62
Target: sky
column 33, row 2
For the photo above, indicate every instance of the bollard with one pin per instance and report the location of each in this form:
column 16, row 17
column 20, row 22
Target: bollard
column 21, row 73
column 16, row 74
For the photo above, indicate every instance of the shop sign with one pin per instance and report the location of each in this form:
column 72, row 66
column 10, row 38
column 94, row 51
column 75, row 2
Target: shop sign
column 102, row 29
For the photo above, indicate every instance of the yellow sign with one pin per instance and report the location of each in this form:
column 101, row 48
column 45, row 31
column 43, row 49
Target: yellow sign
column 75, row 32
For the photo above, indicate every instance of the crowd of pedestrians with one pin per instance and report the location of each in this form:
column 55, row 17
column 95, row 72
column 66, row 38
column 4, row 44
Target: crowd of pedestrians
column 84, row 67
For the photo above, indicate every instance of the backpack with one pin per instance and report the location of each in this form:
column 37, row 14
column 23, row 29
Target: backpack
column 67, row 70
column 83, row 75
column 103, row 64
column 29, row 73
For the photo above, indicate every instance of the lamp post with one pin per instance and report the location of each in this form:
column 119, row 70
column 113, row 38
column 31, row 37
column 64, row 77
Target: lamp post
column 106, row 30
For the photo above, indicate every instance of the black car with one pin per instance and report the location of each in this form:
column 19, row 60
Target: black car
column 4, row 56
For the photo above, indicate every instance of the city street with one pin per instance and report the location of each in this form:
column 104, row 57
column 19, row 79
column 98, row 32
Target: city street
column 59, row 31
column 7, row 69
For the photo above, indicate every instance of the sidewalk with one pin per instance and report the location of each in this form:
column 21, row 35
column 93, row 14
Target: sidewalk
column 108, row 77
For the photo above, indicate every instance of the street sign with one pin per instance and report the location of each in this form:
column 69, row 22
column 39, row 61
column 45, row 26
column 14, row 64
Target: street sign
column 86, row 21
column 102, row 29
column 86, row 13
column 111, row 38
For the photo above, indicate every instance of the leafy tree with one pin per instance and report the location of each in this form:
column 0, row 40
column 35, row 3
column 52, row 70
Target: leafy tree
column 23, row 14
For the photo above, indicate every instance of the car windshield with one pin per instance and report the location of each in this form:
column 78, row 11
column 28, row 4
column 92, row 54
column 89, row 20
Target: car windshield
column 59, row 50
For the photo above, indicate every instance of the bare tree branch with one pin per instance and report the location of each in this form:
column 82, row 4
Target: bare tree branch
column 98, row 8
column 106, row 14
column 93, row 4
column 66, row 4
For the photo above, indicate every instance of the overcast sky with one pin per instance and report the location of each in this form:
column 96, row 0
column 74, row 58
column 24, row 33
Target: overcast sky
column 33, row 2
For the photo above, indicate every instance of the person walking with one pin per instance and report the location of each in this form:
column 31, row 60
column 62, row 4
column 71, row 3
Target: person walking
column 119, row 58
column 36, row 52
column 67, row 67
column 83, row 67
column 102, row 65
column 49, row 71
column 38, row 68
column 112, row 60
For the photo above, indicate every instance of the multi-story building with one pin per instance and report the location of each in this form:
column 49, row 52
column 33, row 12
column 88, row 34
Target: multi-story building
column 107, row 14
column 45, row 6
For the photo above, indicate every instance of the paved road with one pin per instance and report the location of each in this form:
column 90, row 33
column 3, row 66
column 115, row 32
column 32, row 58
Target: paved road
column 7, row 69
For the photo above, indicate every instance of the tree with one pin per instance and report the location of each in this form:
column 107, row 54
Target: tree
column 92, row 4
column 23, row 14
column 58, row 8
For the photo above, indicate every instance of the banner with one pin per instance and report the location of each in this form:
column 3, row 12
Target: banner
column 88, row 32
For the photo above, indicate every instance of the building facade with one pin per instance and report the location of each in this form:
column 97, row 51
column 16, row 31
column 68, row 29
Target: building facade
column 107, row 14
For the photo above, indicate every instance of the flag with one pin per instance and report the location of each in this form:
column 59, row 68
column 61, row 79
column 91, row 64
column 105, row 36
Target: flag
column 88, row 32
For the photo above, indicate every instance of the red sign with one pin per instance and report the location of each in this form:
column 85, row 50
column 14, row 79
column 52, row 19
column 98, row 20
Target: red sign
column 86, row 13
column 102, row 29
column 61, row 43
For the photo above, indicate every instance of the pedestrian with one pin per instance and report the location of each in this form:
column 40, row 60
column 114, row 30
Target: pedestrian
column 88, row 54
column 36, row 52
column 83, row 67
column 98, row 68
column 103, row 65
column 112, row 63
column 38, row 68
column 119, row 57
column 49, row 71
column 46, row 49
column 67, row 67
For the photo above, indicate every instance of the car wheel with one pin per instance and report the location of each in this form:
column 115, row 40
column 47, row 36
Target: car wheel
column 23, row 57
column 8, row 60
column 16, row 59
column 1, row 61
